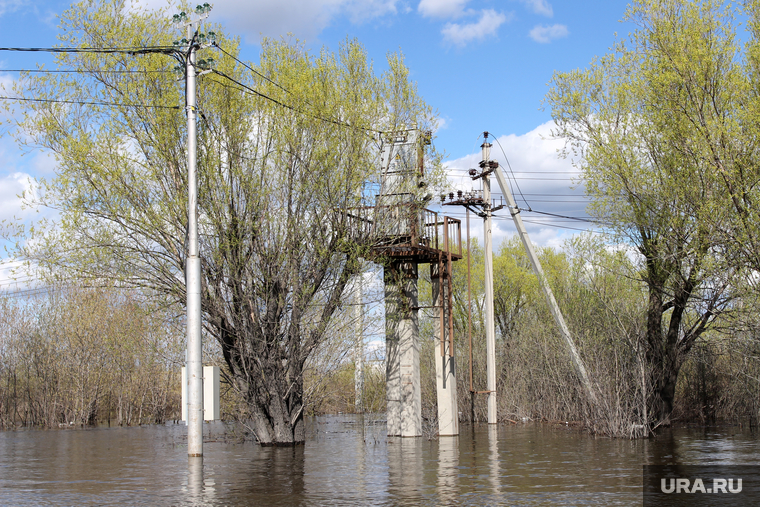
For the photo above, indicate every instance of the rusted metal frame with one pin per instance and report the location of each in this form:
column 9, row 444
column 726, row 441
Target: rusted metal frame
column 413, row 225
column 459, row 236
column 440, row 295
column 469, row 298
column 436, row 231
column 450, row 301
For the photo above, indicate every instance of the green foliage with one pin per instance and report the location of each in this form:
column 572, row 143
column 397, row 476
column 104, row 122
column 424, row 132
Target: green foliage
column 661, row 132
column 283, row 150
column 85, row 356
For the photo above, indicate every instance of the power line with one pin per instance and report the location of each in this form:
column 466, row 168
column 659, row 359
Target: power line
column 248, row 89
column 579, row 219
column 513, row 174
column 564, row 227
column 87, row 71
column 250, row 68
column 125, row 50
column 88, row 103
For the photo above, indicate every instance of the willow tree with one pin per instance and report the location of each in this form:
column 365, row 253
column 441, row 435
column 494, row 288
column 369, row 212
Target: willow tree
column 662, row 131
column 284, row 147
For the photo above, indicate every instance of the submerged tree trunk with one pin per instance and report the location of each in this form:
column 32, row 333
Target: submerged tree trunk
column 267, row 366
column 670, row 335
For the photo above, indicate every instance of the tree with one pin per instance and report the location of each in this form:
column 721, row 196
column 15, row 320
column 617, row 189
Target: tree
column 657, row 128
column 74, row 355
column 284, row 148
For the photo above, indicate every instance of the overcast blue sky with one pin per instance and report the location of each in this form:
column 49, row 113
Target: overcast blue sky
column 483, row 65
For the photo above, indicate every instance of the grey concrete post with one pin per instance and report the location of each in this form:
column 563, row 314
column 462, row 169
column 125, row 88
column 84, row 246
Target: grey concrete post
column 402, row 351
column 193, row 275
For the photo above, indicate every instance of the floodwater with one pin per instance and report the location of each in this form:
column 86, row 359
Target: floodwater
column 349, row 461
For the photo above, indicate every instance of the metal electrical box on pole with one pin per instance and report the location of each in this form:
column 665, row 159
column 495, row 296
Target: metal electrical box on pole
column 211, row 410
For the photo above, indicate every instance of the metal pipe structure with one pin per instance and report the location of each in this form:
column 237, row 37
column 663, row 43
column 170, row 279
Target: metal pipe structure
column 488, row 247
column 359, row 352
column 193, row 271
column 469, row 318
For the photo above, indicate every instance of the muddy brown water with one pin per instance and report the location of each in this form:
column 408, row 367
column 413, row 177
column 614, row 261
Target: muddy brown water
column 349, row 462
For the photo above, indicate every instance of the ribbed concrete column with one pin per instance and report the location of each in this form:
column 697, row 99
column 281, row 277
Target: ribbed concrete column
column 445, row 368
column 402, row 351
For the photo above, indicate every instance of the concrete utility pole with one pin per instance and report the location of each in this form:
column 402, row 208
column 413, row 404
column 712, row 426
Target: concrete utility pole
column 482, row 201
column 553, row 306
column 488, row 247
column 402, row 351
column 193, row 262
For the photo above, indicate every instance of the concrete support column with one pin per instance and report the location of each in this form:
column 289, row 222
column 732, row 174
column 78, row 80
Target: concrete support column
column 445, row 368
column 402, row 351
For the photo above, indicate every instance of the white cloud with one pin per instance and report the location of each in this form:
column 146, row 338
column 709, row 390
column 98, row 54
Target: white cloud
column 443, row 123
column 277, row 18
column 487, row 25
column 545, row 34
column 540, row 7
column 14, row 276
column 10, row 5
column 547, row 183
column 11, row 187
column 6, row 82
column 365, row 10
column 442, row 8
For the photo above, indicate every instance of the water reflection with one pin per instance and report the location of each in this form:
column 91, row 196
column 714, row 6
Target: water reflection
column 348, row 461
column 195, row 481
column 448, row 470
column 493, row 460
column 405, row 469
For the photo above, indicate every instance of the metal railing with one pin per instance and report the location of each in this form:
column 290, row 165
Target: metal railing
column 406, row 224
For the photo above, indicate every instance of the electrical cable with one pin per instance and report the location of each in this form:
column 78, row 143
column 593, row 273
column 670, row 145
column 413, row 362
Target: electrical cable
column 253, row 91
column 512, row 172
column 88, row 103
column 579, row 219
column 214, row 44
column 126, row 50
column 86, row 71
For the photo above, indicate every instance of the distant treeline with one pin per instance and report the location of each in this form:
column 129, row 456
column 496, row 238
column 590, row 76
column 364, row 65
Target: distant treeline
column 81, row 356
column 85, row 356
column 604, row 304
